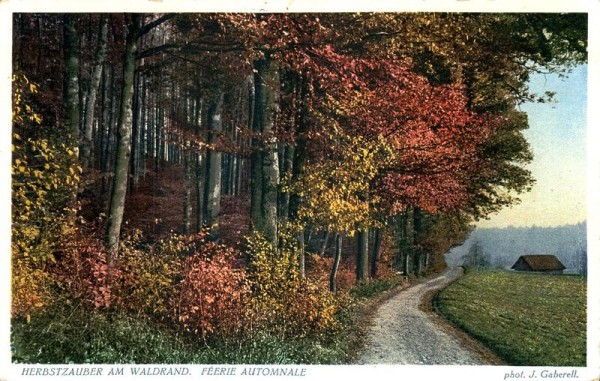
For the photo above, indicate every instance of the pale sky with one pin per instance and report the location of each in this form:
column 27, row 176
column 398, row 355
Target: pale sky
column 557, row 134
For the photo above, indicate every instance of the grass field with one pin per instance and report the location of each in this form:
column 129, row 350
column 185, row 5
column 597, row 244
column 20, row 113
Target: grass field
column 527, row 319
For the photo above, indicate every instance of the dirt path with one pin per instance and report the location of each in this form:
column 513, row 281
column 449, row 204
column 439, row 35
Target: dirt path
column 403, row 334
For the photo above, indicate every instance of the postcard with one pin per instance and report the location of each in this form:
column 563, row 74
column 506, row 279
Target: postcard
column 300, row 190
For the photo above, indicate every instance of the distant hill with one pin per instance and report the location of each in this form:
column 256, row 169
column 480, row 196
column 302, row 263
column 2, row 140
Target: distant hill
column 503, row 246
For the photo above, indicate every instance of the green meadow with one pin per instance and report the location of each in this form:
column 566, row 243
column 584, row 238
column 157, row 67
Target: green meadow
column 527, row 319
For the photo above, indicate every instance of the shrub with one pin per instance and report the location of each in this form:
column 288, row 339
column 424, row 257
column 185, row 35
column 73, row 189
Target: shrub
column 282, row 303
column 320, row 270
column 82, row 270
column 30, row 286
column 43, row 174
column 378, row 286
column 148, row 278
column 213, row 293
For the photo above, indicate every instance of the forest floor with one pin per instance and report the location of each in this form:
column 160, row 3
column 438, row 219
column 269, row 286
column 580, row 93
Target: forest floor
column 405, row 330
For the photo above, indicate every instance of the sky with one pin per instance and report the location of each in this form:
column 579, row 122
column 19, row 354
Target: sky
column 557, row 135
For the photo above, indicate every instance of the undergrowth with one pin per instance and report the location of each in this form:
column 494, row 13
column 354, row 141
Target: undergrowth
column 77, row 335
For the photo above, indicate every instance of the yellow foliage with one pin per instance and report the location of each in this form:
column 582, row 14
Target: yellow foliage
column 147, row 278
column 281, row 302
column 29, row 284
column 40, row 190
column 336, row 190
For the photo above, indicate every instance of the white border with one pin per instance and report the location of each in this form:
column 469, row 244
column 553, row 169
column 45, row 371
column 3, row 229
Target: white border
column 383, row 372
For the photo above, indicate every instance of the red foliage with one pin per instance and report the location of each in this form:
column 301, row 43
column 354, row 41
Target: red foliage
column 435, row 138
column 212, row 296
column 83, row 271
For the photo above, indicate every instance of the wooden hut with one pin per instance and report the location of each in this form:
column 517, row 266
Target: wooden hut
column 547, row 264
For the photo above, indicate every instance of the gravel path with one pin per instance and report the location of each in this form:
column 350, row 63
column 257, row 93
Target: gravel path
column 403, row 334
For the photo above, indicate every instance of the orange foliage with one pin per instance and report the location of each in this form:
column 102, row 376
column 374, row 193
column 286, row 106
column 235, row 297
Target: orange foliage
column 212, row 296
column 82, row 270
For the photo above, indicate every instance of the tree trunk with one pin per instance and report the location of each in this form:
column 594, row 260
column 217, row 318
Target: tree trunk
column 187, row 190
column 406, row 269
column 212, row 193
column 410, row 241
column 107, row 159
column 141, row 162
column 255, row 162
column 336, row 262
column 376, row 253
column 266, row 108
column 72, row 79
column 362, row 256
column 325, row 242
column 200, row 185
column 301, row 255
column 72, row 104
column 119, row 189
column 287, row 164
column 135, row 134
column 296, row 157
column 96, row 75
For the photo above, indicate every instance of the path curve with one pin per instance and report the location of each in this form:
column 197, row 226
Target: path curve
column 401, row 333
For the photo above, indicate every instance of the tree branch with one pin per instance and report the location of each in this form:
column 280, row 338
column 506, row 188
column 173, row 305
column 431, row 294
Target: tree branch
column 156, row 50
column 153, row 24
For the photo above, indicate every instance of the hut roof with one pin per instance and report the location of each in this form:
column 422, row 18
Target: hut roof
column 541, row 262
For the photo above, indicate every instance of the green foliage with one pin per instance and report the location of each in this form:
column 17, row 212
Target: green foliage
column 265, row 348
column 68, row 334
column 375, row 287
column 528, row 319
column 63, row 334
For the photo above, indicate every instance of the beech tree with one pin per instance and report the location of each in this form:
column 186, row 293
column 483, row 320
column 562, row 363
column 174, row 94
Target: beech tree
column 366, row 126
column 125, row 121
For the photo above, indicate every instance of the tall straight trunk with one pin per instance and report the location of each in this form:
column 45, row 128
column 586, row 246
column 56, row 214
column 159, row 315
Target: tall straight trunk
column 142, row 151
column 234, row 174
column 135, row 134
column 96, row 75
column 267, row 84
column 410, row 226
column 187, row 190
column 409, row 221
column 212, row 193
column 107, row 152
column 100, row 128
column 362, row 256
column 325, row 242
column 301, row 255
column 72, row 105
column 200, row 169
column 119, row 189
column 138, row 146
column 200, row 181
column 150, row 113
column 336, row 262
column 255, row 162
column 376, row 253
column 160, row 139
column 286, row 168
column 296, row 157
